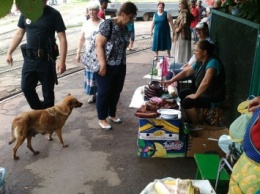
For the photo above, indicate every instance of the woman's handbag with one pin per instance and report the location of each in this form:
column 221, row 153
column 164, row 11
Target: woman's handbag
column 89, row 58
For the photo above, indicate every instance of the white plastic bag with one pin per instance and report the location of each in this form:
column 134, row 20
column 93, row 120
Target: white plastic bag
column 223, row 142
column 237, row 129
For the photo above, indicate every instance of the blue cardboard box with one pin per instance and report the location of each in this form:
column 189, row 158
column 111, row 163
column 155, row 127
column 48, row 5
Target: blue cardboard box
column 159, row 129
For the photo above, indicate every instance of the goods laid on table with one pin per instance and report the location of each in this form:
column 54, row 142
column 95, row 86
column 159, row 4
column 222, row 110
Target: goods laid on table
column 169, row 113
column 158, row 98
column 171, row 186
column 154, row 89
column 177, row 186
column 151, row 108
column 172, row 90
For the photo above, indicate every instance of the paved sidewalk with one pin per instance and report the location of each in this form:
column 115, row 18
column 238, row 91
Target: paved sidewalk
column 96, row 161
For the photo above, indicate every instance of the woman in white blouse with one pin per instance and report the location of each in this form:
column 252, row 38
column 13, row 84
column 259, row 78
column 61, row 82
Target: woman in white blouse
column 91, row 25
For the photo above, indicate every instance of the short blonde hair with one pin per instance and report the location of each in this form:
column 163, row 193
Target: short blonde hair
column 93, row 5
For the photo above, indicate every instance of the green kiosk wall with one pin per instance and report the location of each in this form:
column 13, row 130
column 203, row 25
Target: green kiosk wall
column 237, row 43
column 255, row 81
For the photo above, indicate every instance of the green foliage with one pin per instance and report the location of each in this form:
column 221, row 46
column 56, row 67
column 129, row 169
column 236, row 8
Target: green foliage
column 5, row 7
column 247, row 9
column 31, row 9
column 250, row 10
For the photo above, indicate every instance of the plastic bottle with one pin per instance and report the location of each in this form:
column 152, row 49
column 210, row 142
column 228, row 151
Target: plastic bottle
column 186, row 129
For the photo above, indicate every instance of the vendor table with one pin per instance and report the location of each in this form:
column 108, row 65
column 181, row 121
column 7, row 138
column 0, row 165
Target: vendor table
column 138, row 98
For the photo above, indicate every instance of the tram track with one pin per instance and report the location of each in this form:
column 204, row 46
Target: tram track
column 142, row 43
column 10, row 77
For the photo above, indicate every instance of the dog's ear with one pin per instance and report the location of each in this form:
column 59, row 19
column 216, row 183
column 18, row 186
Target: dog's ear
column 68, row 94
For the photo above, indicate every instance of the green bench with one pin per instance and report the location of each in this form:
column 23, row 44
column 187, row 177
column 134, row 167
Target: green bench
column 208, row 167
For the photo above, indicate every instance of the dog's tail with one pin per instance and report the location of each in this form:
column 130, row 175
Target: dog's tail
column 13, row 137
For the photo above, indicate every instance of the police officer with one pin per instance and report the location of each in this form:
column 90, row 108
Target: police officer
column 40, row 54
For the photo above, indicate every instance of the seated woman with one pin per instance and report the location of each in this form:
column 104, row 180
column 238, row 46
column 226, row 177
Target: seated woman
column 209, row 84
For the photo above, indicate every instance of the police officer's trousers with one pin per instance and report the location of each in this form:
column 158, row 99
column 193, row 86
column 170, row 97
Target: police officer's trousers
column 34, row 71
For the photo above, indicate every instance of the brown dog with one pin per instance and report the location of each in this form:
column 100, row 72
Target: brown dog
column 28, row 124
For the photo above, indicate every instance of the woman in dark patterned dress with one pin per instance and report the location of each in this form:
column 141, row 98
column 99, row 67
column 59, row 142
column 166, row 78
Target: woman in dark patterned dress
column 111, row 75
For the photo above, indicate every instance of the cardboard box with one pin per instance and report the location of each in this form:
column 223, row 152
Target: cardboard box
column 159, row 129
column 161, row 148
column 205, row 140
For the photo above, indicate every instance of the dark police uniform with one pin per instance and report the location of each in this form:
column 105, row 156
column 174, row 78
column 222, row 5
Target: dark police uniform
column 40, row 54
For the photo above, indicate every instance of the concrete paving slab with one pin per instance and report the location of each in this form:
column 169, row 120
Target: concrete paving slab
column 96, row 161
